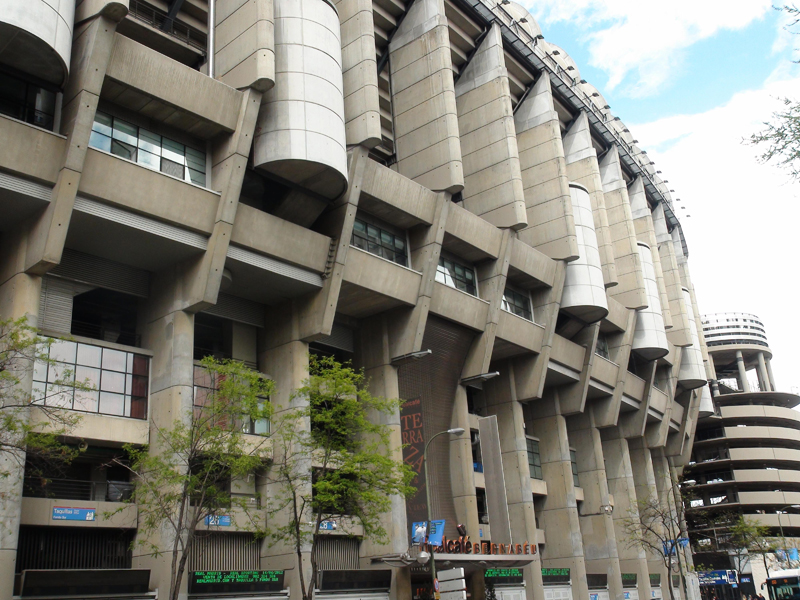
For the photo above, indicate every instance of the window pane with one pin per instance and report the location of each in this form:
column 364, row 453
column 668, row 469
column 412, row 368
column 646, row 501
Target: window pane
column 88, row 375
column 113, row 382
column 196, row 159
column 173, row 151
column 89, row 355
column 112, row 404
column 102, row 123
column 114, row 360
column 171, row 168
column 63, row 351
column 360, row 226
column 60, row 373
column 125, row 132
column 86, row 400
column 40, row 371
column 150, row 141
column 123, row 150
column 197, row 178
column 99, row 141
column 151, row 161
column 141, row 364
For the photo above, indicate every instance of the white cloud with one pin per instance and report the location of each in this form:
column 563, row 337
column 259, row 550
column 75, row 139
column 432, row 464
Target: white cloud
column 645, row 40
column 744, row 230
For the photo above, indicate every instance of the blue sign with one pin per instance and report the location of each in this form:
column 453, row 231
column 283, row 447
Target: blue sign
column 218, row 521
column 437, row 533
column 418, row 531
column 627, row 595
column 329, row 525
column 716, row 577
column 63, row 513
column 793, row 554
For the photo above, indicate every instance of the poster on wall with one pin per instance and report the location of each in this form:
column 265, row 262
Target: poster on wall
column 413, row 436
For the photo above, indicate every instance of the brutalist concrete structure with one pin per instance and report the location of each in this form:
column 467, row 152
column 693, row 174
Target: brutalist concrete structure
column 746, row 447
column 260, row 179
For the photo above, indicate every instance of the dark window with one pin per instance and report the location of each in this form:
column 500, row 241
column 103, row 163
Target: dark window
column 601, row 348
column 456, row 275
column 205, row 385
column 517, row 303
column 380, row 242
column 118, row 380
column 534, row 458
column 106, row 315
column 477, row 457
column 483, row 508
column 27, row 102
column 74, row 548
column 574, row 460
column 148, row 149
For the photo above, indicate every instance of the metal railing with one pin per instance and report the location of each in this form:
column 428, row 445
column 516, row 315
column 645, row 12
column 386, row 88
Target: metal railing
column 157, row 18
column 73, row 489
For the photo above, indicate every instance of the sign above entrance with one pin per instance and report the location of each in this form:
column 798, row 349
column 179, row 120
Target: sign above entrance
column 463, row 545
column 64, row 513
column 716, row 577
column 215, row 582
column 218, row 520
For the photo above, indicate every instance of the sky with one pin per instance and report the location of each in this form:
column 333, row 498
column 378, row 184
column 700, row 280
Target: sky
column 692, row 80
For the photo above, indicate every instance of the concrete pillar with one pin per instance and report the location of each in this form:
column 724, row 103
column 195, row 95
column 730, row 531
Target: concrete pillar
column 744, row 385
column 596, row 519
column 764, row 380
column 621, row 486
column 492, row 178
column 771, row 376
column 169, row 332
column 559, row 515
column 423, row 99
column 680, row 333
column 500, row 396
column 582, row 167
column 551, row 224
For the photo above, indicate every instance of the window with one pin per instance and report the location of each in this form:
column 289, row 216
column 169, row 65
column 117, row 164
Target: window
column 483, row 508
column 27, row 102
column 477, row 457
column 456, row 275
column 205, row 385
column 518, row 303
column 601, row 349
column 119, row 380
column 574, row 460
column 380, row 242
column 534, row 458
column 148, row 149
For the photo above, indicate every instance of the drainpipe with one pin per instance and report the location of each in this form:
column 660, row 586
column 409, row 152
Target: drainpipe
column 212, row 20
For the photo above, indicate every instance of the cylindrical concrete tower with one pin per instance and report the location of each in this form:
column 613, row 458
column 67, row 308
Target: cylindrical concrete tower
column 692, row 373
column 736, row 343
column 42, row 34
column 300, row 134
column 584, row 291
column 650, row 337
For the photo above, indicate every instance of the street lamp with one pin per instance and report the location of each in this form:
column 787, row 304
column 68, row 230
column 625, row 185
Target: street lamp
column 780, row 525
column 454, row 431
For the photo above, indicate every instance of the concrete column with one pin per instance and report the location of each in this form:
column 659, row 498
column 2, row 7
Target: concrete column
column 764, row 380
column 423, row 99
column 500, row 397
column 492, row 178
column 244, row 45
column 582, row 168
column 462, row 479
column 169, row 332
column 679, row 334
column 551, row 224
column 744, row 385
column 621, row 486
column 597, row 523
column 559, row 516
column 771, row 376
column 374, row 357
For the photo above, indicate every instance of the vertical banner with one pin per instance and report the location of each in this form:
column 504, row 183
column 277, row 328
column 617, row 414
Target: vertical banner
column 413, row 446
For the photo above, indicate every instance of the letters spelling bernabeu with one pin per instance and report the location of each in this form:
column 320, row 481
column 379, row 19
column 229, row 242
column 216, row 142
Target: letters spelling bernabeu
column 463, row 546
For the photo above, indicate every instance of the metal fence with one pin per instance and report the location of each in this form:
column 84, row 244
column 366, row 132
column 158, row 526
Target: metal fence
column 72, row 489
column 160, row 20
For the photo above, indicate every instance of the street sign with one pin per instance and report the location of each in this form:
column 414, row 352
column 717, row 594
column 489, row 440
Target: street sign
column 454, row 585
column 451, row 574
column 462, row 595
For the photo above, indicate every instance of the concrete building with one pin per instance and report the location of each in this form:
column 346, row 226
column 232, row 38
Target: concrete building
column 260, row 179
column 746, row 448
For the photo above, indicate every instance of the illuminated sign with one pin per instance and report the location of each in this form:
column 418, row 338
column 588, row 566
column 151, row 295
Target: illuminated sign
column 629, row 579
column 503, row 575
column 214, row 582
column 555, row 576
column 655, row 579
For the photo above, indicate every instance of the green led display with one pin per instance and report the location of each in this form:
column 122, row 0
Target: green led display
column 555, row 572
column 503, row 573
column 237, row 576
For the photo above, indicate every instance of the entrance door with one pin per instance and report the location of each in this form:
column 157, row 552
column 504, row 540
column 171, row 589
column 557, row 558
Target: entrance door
column 510, row 593
column 557, row 592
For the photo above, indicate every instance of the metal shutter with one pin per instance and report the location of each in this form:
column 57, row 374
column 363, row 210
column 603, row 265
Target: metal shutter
column 340, row 338
column 337, row 553
column 104, row 273
column 224, row 551
column 238, row 309
column 55, row 303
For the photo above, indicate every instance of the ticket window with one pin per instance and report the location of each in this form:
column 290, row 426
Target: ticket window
column 557, row 584
column 598, row 586
column 509, row 583
column 630, row 589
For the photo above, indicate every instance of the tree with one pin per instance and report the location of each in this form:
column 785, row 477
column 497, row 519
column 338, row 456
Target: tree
column 747, row 537
column 22, row 350
column 491, row 593
column 186, row 473
column 656, row 528
column 781, row 137
column 335, row 420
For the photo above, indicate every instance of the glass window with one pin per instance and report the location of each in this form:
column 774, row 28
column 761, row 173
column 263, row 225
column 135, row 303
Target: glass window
column 602, row 347
column 147, row 148
column 204, row 387
column 517, row 303
column 534, row 459
column 119, row 380
column 574, row 460
column 27, row 102
column 379, row 242
column 456, row 275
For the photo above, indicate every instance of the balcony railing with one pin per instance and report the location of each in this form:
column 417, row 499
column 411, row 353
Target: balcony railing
column 73, row 489
column 157, row 18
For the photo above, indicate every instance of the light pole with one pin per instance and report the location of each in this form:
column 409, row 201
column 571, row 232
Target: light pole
column 455, row 431
column 780, row 526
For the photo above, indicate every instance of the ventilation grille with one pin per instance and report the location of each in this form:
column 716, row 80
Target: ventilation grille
column 225, row 552
column 73, row 548
column 337, row 553
column 55, row 303
column 103, row 273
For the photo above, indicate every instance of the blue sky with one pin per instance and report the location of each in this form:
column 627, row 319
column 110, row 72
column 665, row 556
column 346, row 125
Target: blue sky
column 691, row 79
